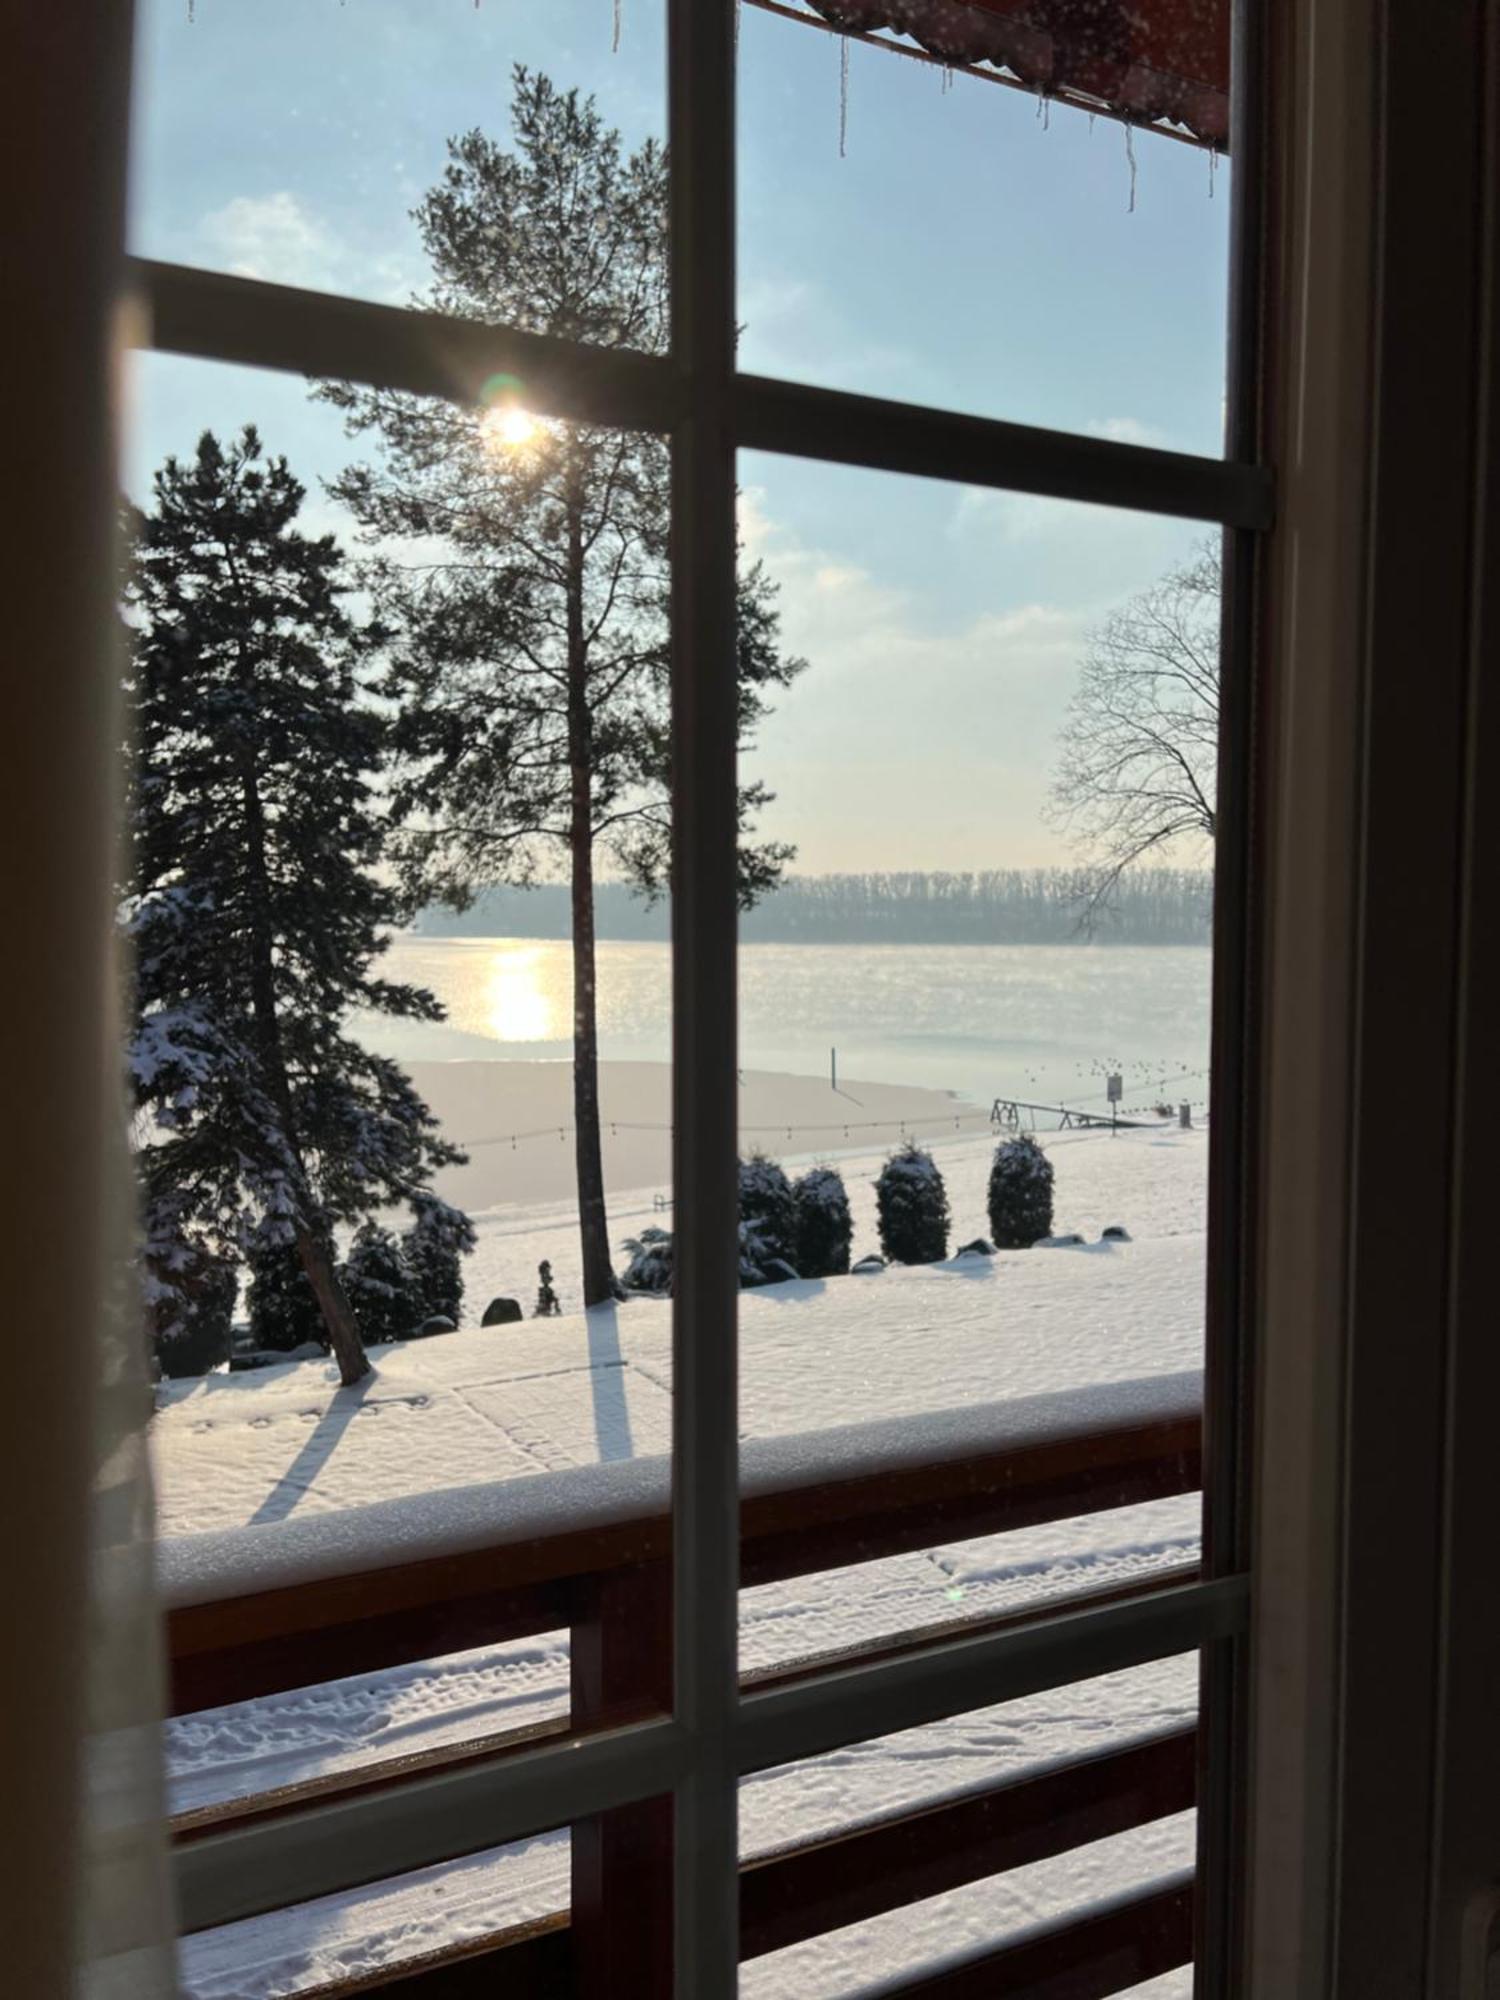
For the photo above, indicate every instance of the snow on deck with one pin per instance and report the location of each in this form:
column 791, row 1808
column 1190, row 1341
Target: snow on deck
column 287, row 1448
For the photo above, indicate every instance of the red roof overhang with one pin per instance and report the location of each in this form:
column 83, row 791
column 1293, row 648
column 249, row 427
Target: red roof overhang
column 1158, row 63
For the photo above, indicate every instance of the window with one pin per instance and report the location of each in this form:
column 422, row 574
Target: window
column 646, row 1768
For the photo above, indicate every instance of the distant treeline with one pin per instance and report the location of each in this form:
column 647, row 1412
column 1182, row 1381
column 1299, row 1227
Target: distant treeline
column 995, row 906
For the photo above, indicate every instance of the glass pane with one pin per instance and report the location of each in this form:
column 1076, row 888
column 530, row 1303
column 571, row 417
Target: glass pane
column 390, row 1148
column 307, row 144
column 375, row 1933
column 916, row 231
column 995, row 772
column 475, row 1005
column 305, row 1736
column 1108, row 1773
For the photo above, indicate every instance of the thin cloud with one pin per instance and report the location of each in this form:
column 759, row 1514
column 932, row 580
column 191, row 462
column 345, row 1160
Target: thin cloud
column 279, row 237
column 905, row 744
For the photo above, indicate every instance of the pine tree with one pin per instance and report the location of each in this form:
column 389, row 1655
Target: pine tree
column 381, row 1286
column 912, row 1204
column 1020, row 1193
column 283, row 1307
column 824, row 1226
column 254, row 901
column 434, row 1248
column 532, row 675
column 190, row 1299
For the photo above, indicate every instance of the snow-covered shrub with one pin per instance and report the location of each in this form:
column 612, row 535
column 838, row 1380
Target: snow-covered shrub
column 824, row 1226
column 912, row 1204
column 381, row 1286
column 434, row 1248
column 650, row 1266
column 190, row 1310
column 284, row 1311
column 767, row 1206
column 760, row 1261
column 1020, row 1193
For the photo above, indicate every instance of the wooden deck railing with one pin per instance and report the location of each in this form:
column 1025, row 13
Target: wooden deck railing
column 264, row 1611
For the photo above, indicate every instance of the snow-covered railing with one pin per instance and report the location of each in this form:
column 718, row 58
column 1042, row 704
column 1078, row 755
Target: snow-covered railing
column 259, row 1611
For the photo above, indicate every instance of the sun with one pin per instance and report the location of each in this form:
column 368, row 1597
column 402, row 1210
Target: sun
column 507, row 427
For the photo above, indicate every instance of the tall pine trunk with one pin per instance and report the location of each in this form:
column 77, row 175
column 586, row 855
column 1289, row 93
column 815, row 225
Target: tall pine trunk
column 593, row 1223
column 312, row 1249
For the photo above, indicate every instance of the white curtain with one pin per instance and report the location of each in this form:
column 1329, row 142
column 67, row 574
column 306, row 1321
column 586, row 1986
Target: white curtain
column 127, row 1943
column 84, row 1903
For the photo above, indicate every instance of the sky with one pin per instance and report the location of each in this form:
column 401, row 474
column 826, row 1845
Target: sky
column 960, row 251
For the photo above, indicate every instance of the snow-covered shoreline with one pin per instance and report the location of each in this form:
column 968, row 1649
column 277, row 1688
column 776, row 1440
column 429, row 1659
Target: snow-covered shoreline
column 515, row 1119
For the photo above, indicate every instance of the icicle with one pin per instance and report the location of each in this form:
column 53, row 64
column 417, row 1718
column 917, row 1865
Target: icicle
column 615, row 45
column 1130, row 156
column 947, row 78
column 843, row 95
column 1213, row 161
column 1091, row 124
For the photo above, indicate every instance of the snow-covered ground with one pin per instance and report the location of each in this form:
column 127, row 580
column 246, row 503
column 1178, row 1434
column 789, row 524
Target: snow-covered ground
column 545, row 1396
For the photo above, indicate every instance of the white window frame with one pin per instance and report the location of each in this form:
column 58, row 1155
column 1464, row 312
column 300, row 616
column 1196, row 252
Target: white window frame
column 709, row 411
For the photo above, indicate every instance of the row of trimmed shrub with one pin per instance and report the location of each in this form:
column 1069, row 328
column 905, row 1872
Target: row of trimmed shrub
column 911, row 1201
column 788, row 1229
column 803, row 1228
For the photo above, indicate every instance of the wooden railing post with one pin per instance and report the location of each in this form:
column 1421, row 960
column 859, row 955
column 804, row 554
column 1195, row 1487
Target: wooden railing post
column 621, row 1671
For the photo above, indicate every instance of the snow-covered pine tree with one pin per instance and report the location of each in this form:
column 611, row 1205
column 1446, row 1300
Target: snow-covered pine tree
column 1020, row 1193
column 824, row 1226
column 434, row 1248
column 283, row 1308
column 381, row 1286
column 255, row 901
column 190, row 1298
column 912, row 1204
column 768, row 1211
column 532, row 674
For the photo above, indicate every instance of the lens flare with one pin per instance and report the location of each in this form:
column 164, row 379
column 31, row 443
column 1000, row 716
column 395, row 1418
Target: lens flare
column 508, row 427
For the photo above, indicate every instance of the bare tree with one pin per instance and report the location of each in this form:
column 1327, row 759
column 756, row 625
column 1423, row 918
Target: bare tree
column 1140, row 745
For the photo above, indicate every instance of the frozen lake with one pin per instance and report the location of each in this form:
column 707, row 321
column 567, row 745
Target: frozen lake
column 1038, row 1021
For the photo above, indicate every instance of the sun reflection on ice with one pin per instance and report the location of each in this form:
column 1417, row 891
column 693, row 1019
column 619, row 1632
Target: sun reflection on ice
column 526, row 1000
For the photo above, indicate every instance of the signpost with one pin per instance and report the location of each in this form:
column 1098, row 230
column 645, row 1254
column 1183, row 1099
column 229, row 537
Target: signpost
column 1116, row 1092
